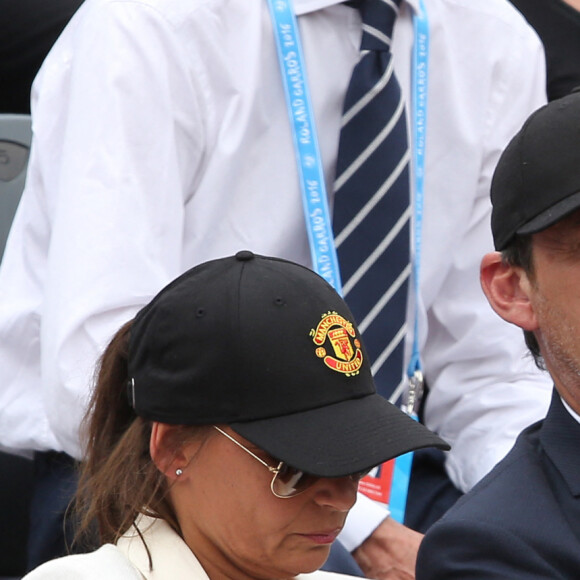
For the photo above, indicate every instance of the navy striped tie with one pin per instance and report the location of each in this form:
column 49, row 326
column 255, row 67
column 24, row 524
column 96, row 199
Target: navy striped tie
column 372, row 212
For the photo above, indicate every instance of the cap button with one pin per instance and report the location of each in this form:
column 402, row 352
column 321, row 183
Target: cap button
column 245, row 256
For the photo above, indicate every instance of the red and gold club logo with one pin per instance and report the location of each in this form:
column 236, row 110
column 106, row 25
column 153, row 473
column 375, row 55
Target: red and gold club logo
column 346, row 356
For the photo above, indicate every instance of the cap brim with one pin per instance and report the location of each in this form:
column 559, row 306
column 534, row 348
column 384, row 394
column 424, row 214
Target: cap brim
column 339, row 439
column 552, row 215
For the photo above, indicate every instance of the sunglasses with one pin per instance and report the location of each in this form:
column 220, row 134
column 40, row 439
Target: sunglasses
column 288, row 481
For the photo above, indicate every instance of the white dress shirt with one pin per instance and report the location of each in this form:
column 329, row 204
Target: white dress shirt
column 161, row 140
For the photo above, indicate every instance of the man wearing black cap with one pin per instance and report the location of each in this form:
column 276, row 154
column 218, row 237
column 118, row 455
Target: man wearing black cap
column 523, row 519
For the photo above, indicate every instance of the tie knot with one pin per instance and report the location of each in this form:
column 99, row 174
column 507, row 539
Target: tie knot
column 378, row 18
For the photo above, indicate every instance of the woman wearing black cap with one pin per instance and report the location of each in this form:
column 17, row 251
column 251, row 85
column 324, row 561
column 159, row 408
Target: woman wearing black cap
column 230, row 424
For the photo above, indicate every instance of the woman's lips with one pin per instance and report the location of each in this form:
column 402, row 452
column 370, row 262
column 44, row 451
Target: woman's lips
column 322, row 537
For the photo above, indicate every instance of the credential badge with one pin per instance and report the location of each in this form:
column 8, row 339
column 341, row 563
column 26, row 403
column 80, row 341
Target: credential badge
column 346, row 356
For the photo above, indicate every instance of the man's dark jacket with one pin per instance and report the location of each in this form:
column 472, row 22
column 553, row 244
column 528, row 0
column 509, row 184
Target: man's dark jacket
column 523, row 519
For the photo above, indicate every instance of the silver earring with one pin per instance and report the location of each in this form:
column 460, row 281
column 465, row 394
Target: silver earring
column 178, row 472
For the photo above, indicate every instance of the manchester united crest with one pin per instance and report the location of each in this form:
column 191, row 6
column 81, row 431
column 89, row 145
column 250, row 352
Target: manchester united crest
column 337, row 344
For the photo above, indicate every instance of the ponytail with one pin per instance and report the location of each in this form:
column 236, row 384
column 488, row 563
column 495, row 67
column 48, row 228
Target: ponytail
column 118, row 478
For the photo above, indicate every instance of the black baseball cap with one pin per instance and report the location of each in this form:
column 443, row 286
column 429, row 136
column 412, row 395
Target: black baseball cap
column 268, row 347
column 537, row 179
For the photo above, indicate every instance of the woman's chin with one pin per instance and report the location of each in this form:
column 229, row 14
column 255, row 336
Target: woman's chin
column 311, row 561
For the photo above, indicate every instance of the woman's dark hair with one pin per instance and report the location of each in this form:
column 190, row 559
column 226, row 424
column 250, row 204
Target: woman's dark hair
column 118, row 478
column 519, row 253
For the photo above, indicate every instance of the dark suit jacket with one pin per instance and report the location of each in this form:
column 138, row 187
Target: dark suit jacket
column 523, row 519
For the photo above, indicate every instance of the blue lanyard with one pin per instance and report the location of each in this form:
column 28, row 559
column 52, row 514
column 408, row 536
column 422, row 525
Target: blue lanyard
column 314, row 197
column 419, row 91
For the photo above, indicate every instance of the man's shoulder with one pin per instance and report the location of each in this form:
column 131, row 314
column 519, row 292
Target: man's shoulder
column 486, row 37
column 500, row 12
column 501, row 9
column 513, row 497
column 503, row 492
column 178, row 12
column 511, row 524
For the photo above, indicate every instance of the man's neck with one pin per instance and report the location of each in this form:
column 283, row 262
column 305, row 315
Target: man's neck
column 574, row 3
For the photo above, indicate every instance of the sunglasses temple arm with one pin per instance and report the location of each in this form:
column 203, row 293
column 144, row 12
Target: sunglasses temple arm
column 271, row 469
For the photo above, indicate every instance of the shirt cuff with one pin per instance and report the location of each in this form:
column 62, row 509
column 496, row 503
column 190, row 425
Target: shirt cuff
column 363, row 519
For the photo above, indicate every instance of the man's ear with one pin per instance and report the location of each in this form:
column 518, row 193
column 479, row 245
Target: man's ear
column 508, row 291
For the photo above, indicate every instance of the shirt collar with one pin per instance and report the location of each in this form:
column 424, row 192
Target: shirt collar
column 306, row 6
column 570, row 410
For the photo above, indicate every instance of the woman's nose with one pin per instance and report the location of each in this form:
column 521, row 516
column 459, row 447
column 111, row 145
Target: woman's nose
column 336, row 492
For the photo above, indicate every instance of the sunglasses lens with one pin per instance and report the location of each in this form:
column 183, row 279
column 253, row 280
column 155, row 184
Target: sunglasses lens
column 290, row 481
